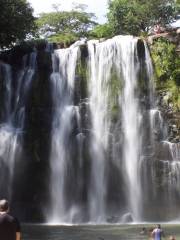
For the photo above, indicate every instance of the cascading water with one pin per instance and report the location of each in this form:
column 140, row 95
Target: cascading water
column 119, row 53
column 131, row 124
column 174, row 170
column 87, row 122
column 171, row 167
column 62, row 78
column 13, row 114
column 165, row 155
column 113, row 71
column 99, row 69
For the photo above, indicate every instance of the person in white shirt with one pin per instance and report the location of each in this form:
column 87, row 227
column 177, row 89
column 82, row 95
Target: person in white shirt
column 157, row 233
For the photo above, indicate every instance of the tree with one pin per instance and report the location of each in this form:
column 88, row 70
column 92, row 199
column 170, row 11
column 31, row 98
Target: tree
column 178, row 7
column 76, row 22
column 137, row 16
column 16, row 20
column 166, row 65
column 101, row 31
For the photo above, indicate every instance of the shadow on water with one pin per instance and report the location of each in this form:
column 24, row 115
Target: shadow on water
column 88, row 232
column 94, row 232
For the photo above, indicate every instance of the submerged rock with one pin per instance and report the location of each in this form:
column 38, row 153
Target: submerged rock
column 113, row 219
column 127, row 218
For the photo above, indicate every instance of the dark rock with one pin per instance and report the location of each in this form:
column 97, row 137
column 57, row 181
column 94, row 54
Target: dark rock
column 127, row 218
column 141, row 49
column 113, row 219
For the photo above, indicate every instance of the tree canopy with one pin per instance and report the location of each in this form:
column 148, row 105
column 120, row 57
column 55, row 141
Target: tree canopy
column 137, row 16
column 16, row 20
column 77, row 22
column 124, row 17
column 101, row 31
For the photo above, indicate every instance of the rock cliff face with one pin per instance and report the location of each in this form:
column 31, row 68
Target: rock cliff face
column 165, row 54
column 171, row 115
column 164, row 50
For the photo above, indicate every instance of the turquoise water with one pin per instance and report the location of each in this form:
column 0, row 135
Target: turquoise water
column 94, row 232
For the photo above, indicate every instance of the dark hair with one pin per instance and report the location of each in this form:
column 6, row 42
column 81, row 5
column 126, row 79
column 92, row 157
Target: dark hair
column 4, row 205
column 158, row 225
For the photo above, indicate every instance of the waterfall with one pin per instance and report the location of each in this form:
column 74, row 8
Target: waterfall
column 82, row 126
column 131, row 123
column 100, row 64
column 6, row 72
column 172, row 166
column 112, row 76
column 13, row 115
column 157, row 125
column 120, row 54
column 150, row 76
column 63, row 79
column 165, row 161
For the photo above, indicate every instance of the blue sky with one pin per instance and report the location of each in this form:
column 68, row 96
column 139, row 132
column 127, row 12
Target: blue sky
column 99, row 7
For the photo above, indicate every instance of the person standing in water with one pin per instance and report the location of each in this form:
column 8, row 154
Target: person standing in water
column 157, row 233
column 9, row 226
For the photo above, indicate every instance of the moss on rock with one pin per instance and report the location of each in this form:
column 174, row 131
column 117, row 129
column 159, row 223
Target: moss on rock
column 166, row 64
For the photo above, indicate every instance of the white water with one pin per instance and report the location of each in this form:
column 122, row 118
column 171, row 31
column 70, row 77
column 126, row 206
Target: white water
column 13, row 119
column 150, row 75
column 62, row 78
column 131, row 124
column 119, row 53
column 99, row 169
column 100, row 64
column 157, row 125
column 171, row 172
column 118, row 58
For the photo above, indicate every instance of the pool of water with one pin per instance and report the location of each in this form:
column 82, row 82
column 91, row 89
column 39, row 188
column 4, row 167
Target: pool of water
column 93, row 232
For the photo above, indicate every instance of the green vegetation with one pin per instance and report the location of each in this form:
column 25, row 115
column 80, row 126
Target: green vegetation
column 101, row 31
column 138, row 16
column 66, row 26
column 82, row 72
column 166, row 62
column 178, row 6
column 124, row 17
column 114, row 86
column 16, row 21
column 65, row 39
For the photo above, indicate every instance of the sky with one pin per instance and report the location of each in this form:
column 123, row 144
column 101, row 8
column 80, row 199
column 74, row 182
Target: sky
column 99, row 7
